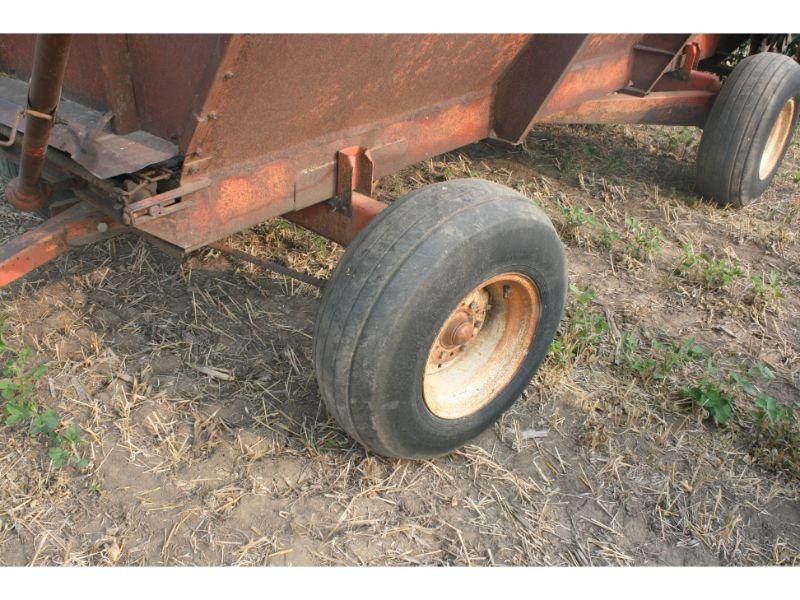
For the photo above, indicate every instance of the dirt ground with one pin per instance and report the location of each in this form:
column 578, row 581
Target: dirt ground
column 207, row 443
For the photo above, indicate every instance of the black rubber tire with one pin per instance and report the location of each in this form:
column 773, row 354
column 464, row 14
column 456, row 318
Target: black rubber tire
column 396, row 285
column 738, row 126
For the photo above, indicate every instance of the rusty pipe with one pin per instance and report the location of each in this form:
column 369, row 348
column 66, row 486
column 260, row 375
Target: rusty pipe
column 26, row 191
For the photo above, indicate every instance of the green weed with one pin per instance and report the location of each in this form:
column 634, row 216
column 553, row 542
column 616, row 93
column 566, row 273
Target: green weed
column 585, row 331
column 580, row 226
column 712, row 395
column 709, row 272
column 641, row 241
column 660, row 360
column 766, row 407
column 575, row 221
column 777, row 431
column 716, row 393
column 607, row 236
column 20, row 408
column 679, row 138
column 766, row 292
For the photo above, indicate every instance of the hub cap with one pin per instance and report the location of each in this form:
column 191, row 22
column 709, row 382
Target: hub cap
column 481, row 345
column 777, row 139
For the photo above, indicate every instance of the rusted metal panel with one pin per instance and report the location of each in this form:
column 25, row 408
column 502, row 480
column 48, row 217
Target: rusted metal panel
column 651, row 58
column 270, row 149
column 256, row 192
column 205, row 111
column 85, row 134
column 170, row 80
column 83, row 80
column 554, row 75
column 585, row 67
column 603, row 66
column 115, row 63
column 657, row 108
column 530, row 80
column 278, row 92
column 261, row 119
column 694, row 80
column 165, row 73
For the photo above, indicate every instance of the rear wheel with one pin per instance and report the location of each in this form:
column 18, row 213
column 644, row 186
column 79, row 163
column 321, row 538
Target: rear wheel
column 749, row 129
column 438, row 316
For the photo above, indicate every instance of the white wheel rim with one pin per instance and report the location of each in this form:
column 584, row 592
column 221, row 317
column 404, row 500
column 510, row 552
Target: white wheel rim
column 481, row 346
column 778, row 137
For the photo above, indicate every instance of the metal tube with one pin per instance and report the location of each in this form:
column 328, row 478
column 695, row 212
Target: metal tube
column 26, row 191
column 269, row 265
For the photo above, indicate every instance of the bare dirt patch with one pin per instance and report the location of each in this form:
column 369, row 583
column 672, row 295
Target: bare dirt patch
column 207, row 442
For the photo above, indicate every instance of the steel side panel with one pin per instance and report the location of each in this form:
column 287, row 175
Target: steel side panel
column 166, row 74
column 280, row 107
column 240, row 201
column 285, row 90
column 83, row 79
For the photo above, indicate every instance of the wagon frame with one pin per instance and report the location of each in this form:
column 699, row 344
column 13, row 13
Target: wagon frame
column 189, row 139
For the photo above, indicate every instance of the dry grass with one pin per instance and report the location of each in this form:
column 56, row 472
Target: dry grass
column 208, row 444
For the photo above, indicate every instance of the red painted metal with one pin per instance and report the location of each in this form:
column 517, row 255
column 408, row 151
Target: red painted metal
column 160, row 205
column 354, row 169
column 166, row 71
column 306, row 174
column 538, row 72
column 78, row 225
column 83, row 78
column 652, row 58
column 699, row 81
column 691, row 58
column 708, row 43
column 659, row 108
column 117, row 67
column 26, row 191
column 260, row 120
column 325, row 220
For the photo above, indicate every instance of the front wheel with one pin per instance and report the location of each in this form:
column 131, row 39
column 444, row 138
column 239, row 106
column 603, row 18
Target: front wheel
column 438, row 316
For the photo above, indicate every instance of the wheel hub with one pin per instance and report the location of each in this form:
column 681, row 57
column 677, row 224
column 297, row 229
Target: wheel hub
column 460, row 329
column 481, row 345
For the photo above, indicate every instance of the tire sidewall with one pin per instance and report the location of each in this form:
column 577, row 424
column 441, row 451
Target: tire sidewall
column 753, row 186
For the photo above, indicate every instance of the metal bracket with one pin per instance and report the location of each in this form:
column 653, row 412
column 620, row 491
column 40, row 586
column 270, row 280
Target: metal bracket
column 691, row 57
column 22, row 112
column 651, row 60
column 162, row 204
column 353, row 176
